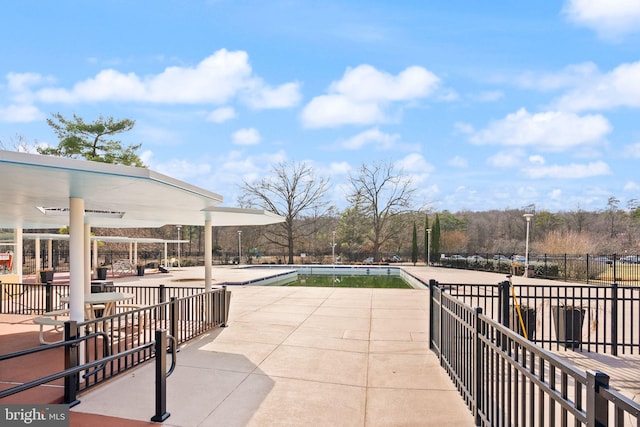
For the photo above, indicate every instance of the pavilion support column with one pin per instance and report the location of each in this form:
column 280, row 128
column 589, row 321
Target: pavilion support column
column 38, row 261
column 131, row 252
column 50, row 254
column 87, row 258
column 208, row 249
column 76, row 259
column 17, row 255
column 166, row 265
column 135, row 253
column 95, row 257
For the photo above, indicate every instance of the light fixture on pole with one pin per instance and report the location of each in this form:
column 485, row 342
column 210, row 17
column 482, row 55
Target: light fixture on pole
column 528, row 217
column 239, row 246
column 428, row 246
column 333, row 248
column 178, row 227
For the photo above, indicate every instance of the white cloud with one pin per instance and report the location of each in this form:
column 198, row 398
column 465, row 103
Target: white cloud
column 338, row 110
column 549, row 131
column 611, row 19
column 221, row 115
column 20, row 114
column 364, row 92
column 536, row 159
column 416, row 168
column 633, row 150
column 284, row 96
column 182, row 169
column 571, row 76
column 459, row 162
column 507, row 159
column 248, row 136
column 555, row 194
column 489, row 96
column 366, row 83
column 618, row 88
column 339, row 168
column 371, row 137
column 631, row 187
column 571, row 171
column 216, row 79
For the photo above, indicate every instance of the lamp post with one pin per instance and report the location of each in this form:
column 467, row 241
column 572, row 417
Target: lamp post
column 528, row 217
column 428, row 245
column 333, row 248
column 178, row 227
column 239, row 246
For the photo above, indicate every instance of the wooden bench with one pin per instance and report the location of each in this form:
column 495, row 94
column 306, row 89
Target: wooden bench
column 50, row 318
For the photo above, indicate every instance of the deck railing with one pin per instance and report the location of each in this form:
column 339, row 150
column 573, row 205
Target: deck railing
column 506, row 379
column 602, row 319
column 184, row 312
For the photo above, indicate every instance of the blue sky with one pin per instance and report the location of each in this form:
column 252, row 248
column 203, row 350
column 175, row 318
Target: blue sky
column 485, row 104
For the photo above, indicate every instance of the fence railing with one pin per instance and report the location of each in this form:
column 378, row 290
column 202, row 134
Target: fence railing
column 602, row 319
column 585, row 268
column 506, row 379
column 34, row 298
column 184, row 312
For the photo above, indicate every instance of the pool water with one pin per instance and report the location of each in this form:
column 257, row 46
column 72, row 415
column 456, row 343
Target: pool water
column 342, row 281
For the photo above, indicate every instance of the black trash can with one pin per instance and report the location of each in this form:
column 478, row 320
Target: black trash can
column 568, row 320
column 102, row 273
column 140, row 270
column 528, row 318
column 46, row 276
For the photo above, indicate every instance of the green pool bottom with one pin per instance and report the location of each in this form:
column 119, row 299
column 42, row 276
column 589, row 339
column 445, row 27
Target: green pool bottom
column 350, row 282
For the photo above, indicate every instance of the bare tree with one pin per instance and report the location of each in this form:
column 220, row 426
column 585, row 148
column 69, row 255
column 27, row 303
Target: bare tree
column 292, row 191
column 380, row 194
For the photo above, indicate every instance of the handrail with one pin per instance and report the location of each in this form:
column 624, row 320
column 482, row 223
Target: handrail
column 174, row 351
column 58, row 344
column 71, row 371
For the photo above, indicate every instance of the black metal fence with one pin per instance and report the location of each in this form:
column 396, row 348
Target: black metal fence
column 587, row 268
column 602, row 319
column 507, row 380
column 184, row 312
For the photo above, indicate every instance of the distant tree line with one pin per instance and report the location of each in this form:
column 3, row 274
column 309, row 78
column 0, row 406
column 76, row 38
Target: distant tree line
column 383, row 218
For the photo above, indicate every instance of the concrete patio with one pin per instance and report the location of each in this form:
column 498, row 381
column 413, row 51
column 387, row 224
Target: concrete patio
column 301, row 356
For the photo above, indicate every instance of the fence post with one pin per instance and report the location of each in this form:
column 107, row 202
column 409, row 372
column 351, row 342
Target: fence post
column 432, row 284
column 71, row 360
column 503, row 296
column 478, row 374
column 226, row 297
column 162, row 297
column 597, row 407
column 161, row 376
column 565, row 267
column 614, row 318
column 173, row 317
column 48, row 303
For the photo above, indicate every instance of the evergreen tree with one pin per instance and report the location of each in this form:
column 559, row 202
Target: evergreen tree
column 435, row 239
column 426, row 239
column 414, row 245
column 92, row 141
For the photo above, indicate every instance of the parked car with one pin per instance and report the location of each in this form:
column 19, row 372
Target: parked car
column 396, row 258
column 368, row 260
column 501, row 258
column 457, row 257
column 519, row 258
column 603, row 259
column 476, row 258
column 630, row 259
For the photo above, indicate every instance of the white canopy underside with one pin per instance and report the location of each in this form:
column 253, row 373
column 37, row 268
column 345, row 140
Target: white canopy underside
column 35, row 192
